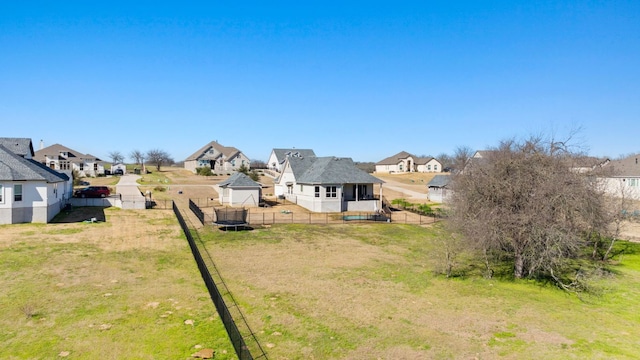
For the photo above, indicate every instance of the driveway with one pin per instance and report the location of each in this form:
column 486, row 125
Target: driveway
column 131, row 196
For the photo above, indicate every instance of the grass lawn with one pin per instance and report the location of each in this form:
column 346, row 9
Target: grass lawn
column 126, row 288
column 373, row 292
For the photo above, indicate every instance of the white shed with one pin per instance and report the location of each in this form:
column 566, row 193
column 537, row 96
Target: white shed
column 239, row 190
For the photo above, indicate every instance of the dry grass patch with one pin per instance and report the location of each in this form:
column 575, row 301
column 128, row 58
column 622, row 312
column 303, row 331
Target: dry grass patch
column 119, row 289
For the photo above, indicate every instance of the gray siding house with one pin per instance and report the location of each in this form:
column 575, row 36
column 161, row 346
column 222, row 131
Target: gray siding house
column 217, row 157
column 328, row 184
column 29, row 190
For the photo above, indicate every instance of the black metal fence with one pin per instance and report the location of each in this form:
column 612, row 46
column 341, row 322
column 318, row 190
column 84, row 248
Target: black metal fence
column 196, row 211
column 264, row 217
column 242, row 345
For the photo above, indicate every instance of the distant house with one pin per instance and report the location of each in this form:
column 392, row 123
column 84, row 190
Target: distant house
column 217, row 157
column 239, row 190
column 624, row 177
column 585, row 164
column 64, row 159
column 327, row 184
column 278, row 157
column 119, row 167
column 404, row 162
column 29, row 190
column 438, row 188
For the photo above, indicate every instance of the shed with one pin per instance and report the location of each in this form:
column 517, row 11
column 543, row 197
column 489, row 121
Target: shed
column 239, row 190
column 439, row 188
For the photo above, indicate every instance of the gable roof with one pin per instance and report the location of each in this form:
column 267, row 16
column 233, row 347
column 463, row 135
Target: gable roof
column 16, row 168
column 282, row 154
column 629, row 166
column 56, row 150
column 227, row 151
column 330, row 170
column 394, row 159
column 439, row 181
column 19, row 146
column 424, row 160
column 239, row 180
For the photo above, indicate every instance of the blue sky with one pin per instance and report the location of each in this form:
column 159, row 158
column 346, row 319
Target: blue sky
column 362, row 79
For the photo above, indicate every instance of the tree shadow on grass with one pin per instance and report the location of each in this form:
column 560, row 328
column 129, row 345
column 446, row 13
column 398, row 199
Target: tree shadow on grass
column 80, row 214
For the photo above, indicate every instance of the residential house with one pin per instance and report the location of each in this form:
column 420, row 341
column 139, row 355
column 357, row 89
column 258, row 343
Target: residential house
column 29, row 190
column 64, row 159
column 404, row 162
column 327, row 184
column 217, row 157
column 239, row 190
column 438, row 188
column 278, row 157
column 624, row 177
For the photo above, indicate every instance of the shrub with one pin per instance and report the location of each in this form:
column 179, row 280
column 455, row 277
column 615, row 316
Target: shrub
column 160, row 188
column 204, row 171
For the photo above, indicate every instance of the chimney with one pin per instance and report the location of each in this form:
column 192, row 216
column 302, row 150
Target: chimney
column 41, row 144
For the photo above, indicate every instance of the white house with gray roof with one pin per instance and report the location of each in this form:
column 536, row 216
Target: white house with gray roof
column 217, row 157
column 278, row 157
column 404, row 162
column 63, row 159
column 29, row 190
column 624, row 180
column 239, row 190
column 328, row 184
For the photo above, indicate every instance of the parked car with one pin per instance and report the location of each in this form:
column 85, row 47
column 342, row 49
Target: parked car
column 92, row 191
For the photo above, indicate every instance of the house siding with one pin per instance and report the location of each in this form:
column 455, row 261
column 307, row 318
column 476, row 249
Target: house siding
column 623, row 186
column 41, row 202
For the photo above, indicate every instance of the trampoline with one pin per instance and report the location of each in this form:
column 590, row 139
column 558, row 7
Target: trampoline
column 231, row 217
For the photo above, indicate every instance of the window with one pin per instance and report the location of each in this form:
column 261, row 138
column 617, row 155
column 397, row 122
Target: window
column 633, row 182
column 429, row 167
column 331, row 191
column 1, row 194
column 95, row 167
column 81, row 166
column 17, row 192
column 317, row 191
column 435, row 167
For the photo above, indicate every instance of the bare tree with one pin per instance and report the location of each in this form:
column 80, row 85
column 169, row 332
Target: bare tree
column 116, row 157
column 445, row 160
column 137, row 156
column 158, row 158
column 523, row 203
column 461, row 157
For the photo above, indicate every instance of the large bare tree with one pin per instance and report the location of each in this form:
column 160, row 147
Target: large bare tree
column 137, row 156
column 158, row 158
column 523, row 202
column 116, row 157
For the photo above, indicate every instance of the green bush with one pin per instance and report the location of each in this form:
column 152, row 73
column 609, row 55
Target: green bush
column 204, row 171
